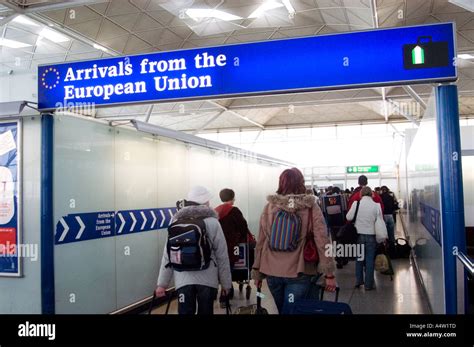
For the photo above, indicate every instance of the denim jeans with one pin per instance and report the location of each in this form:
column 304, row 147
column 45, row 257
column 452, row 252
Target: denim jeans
column 369, row 245
column 390, row 223
column 286, row 291
column 189, row 295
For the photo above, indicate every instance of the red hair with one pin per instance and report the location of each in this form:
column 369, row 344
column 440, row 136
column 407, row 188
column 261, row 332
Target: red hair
column 291, row 182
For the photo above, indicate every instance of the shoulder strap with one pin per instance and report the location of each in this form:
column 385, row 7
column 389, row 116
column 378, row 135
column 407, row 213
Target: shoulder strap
column 357, row 211
column 310, row 221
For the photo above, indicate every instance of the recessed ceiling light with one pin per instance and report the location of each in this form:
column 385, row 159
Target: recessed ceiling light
column 266, row 6
column 24, row 20
column 196, row 14
column 99, row 47
column 289, row 7
column 53, row 35
column 13, row 43
column 466, row 56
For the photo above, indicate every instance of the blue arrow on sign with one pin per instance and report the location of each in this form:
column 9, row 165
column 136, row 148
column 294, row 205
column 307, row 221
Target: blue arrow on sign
column 94, row 225
column 85, row 226
column 133, row 221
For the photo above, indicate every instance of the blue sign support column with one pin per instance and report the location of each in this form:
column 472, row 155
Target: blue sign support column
column 451, row 189
column 47, row 222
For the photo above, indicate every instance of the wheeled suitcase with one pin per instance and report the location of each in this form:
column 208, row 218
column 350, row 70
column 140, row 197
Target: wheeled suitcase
column 311, row 306
column 254, row 309
column 152, row 303
column 384, row 249
column 243, row 267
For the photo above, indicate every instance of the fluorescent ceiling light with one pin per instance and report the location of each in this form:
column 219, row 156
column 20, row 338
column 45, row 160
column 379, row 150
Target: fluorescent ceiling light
column 266, row 6
column 196, row 14
column 465, row 4
column 466, row 56
column 53, row 35
column 96, row 46
column 13, row 44
column 24, row 20
column 289, row 7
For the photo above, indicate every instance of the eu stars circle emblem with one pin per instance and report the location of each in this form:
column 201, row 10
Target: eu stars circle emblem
column 50, row 78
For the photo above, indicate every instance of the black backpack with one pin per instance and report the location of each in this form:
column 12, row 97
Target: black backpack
column 188, row 246
column 402, row 249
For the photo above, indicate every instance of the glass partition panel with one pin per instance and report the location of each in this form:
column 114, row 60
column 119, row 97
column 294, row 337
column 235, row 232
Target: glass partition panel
column 424, row 217
column 136, row 194
column 84, row 177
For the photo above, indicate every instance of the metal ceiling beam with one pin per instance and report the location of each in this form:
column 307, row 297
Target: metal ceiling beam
column 8, row 19
column 237, row 114
column 49, row 7
column 384, row 101
column 148, row 113
column 375, row 17
column 264, row 106
column 301, row 125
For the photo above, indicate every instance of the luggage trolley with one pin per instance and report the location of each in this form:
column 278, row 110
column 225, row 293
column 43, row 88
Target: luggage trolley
column 241, row 273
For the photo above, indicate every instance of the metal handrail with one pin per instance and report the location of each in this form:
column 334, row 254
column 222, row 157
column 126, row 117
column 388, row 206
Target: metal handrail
column 467, row 262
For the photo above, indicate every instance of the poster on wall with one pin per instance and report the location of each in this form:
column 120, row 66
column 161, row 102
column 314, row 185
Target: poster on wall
column 9, row 200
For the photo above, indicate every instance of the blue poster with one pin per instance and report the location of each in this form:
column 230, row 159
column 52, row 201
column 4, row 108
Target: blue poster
column 9, row 177
column 374, row 58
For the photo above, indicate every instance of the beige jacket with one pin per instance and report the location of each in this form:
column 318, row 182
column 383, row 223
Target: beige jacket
column 290, row 264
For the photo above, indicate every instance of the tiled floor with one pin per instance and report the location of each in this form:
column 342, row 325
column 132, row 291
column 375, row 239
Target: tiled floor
column 400, row 296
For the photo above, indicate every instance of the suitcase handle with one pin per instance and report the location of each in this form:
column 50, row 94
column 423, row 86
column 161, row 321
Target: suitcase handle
column 322, row 288
column 227, row 305
column 170, row 297
column 259, row 299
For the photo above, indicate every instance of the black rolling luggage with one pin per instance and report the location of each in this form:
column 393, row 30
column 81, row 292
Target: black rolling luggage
column 255, row 309
column 152, row 303
column 243, row 267
column 311, row 306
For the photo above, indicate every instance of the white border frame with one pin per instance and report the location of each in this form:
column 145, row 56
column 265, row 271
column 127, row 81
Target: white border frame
column 265, row 93
column 19, row 161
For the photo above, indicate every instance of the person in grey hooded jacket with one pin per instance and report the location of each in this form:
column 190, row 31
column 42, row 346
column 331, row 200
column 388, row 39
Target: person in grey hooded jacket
column 199, row 286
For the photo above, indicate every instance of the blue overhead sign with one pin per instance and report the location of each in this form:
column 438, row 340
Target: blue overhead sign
column 394, row 56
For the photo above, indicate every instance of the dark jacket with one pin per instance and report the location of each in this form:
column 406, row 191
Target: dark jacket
column 235, row 229
column 389, row 203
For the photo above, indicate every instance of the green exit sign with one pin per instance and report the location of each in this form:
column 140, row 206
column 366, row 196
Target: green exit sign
column 362, row 169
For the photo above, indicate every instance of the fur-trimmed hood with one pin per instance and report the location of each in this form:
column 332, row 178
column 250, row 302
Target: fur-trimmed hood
column 292, row 202
column 200, row 211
